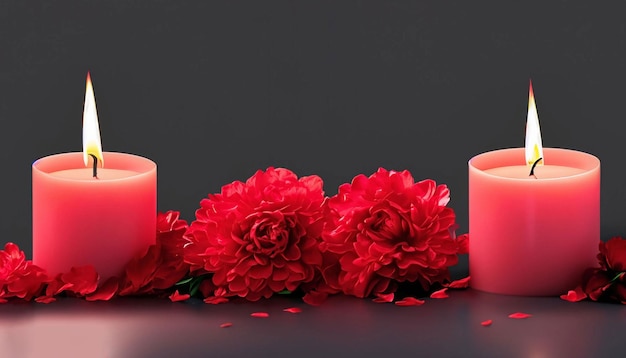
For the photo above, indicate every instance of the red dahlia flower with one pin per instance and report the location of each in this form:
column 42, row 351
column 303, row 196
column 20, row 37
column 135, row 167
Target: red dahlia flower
column 18, row 276
column 259, row 237
column 386, row 229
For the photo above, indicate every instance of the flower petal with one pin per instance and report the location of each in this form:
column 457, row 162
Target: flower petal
column 315, row 298
column 440, row 293
column 409, row 301
column 463, row 243
column 615, row 253
column 574, row 295
column 460, row 283
column 84, row 280
column 45, row 299
column 226, row 325
column 486, row 323
column 106, row 291
column 259, row 314
column 293, row 310
column 214, row 300
column 519, row 315
column 177, row 297
column 383, row 297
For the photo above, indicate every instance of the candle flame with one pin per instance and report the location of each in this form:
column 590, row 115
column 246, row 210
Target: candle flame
column 534, row 149
column 91, row 130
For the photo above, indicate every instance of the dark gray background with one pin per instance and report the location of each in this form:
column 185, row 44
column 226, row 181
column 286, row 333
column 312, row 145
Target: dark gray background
column 214, row 90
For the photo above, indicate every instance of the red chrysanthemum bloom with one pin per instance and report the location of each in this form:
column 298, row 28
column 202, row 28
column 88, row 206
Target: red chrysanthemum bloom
column 162, row 265
column 387, row 228
column 259, row 237
column 19, row 277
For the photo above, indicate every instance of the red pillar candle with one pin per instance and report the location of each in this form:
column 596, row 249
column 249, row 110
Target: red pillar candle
column 79, row 219
column 533, row 235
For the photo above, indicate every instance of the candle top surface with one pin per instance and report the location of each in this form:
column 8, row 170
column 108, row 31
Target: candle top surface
column 559, row 163
column 541, row 172
column 70, row 166
column 87, row 174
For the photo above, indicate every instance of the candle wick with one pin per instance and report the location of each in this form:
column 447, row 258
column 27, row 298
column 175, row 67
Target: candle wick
column 95, row 166
column 532, row 169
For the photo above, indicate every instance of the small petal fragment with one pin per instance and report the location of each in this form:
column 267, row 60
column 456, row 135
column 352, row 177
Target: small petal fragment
column 226, row 325
column 574, row 295
column 409, row 301
column 45, row 299
column 440, row 293
column 177, row 297
column 215, row 300
column 260, row 314
column 486, row 323
column 315, row 298
column 383, row 298
column 519, row 315
column 293, row 310
column 460, row 283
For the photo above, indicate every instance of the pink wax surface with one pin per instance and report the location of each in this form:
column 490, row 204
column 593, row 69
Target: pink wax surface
column 532, row 236
column 80, row 220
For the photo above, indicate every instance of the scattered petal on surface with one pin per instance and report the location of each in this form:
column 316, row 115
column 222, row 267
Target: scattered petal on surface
column 519, row 315
column 260, row 314
column 315, row 298
column 45, row 299
column 574, row 295
column 2, row 300
column 214, row 300
column 226, row 325
column 177, row 297
column 383, row 298
column 409, row 301
column 293, row 310
column 460, row 283
column 486, row 323
column 440, row 293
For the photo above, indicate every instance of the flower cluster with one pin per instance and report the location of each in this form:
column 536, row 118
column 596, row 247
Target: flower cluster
column 153, row 272
column 608, row 281
column 278, row 233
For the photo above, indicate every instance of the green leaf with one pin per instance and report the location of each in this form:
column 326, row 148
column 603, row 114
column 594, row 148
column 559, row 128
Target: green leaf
column 617, row 276
column 195, row 286
column 182, row 282
column 284, row 292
